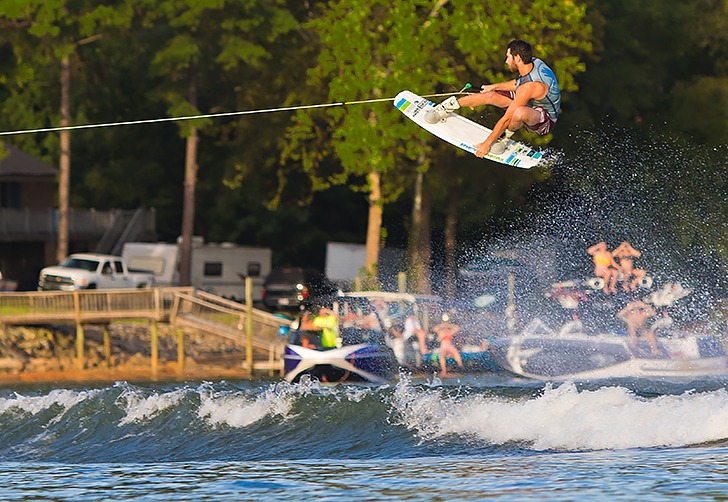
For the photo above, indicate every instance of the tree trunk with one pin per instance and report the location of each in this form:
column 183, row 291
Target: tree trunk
column 425, row 281
column 422, row 280
column 64, row 176
column 374, row 225
column 420, row 242
column 415, row 272
column 188, row 205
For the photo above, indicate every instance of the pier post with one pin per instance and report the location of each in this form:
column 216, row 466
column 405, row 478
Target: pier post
column 155, row 349
column 249, row 323
column 271, row 359
column 157, row 310
column 180, row 352
column 80, row 362
column 107, row 347
column 402, row 282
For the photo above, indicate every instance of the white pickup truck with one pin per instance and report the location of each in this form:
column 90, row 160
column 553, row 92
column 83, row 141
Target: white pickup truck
column 92, row 271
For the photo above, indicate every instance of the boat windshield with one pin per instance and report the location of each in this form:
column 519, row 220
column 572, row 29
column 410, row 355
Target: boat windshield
column 311, row 339
column 356, row 336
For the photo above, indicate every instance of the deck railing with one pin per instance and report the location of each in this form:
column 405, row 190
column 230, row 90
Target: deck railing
column 210, row 313
column 255, row 329
column 81, row 222
column 87, row 306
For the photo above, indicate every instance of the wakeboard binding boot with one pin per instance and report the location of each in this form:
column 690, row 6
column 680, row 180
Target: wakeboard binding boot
column 499, row 146
column 441, row 111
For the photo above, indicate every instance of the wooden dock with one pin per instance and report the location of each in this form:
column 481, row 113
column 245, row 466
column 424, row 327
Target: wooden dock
column 91, row 306
column 183, row 307
column 259, row 331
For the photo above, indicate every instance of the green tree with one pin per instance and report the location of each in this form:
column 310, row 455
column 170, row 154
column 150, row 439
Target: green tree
column 367, row 50
column 48, row 34
column 699, row 101
column 202, row 39
column 371, row 50
column 643, row 48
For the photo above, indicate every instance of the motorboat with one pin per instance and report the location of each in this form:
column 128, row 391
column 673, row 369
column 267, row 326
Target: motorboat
column 362, row 357
column 543, row 354
column 394, row 308
column 361, row 353
column 639, row 330
column 600, row 347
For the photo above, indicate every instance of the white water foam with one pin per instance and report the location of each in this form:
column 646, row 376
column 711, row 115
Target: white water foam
column 139, row 407
column 64, row 398
column 237, row 409
column 565, row 418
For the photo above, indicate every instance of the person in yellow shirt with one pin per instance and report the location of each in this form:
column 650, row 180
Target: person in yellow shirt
column 328, row 323
column 604, row 266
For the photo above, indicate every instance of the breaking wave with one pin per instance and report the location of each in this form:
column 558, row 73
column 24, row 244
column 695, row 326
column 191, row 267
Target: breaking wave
column 413, row 418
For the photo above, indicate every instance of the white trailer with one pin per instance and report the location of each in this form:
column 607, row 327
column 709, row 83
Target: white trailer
column 220, row 269
column 344, row 261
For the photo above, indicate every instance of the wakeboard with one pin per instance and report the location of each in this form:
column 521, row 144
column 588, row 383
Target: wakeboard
column 464, row 133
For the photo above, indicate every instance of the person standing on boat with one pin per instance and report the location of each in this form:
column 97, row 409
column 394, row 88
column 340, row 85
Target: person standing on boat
column 445, row 331
column 412, row 327
column 635, row 315
column 328, row 323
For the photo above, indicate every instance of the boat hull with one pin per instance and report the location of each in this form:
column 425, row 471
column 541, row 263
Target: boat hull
column 609, row 356
column 353, row 363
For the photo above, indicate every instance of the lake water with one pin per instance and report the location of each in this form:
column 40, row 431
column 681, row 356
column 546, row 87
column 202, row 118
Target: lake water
column 467, row 438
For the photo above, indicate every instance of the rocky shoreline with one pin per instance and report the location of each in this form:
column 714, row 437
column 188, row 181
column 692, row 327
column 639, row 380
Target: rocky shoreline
column 48, row 353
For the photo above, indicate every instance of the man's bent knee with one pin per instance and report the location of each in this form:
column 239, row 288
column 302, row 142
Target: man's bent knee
column 525, row 115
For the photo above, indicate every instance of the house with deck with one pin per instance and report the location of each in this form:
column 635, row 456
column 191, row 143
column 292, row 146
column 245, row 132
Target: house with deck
column 29, row 220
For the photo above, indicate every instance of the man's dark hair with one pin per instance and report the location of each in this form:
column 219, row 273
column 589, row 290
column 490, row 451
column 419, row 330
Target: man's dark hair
column 521, row 48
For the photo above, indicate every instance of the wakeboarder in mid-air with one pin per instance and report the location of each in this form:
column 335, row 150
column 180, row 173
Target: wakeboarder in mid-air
column 532, row 100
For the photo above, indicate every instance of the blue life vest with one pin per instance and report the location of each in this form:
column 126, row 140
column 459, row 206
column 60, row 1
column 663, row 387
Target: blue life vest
column 542, row 73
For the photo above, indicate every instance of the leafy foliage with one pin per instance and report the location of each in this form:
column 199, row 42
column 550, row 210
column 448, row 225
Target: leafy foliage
column 264, row 178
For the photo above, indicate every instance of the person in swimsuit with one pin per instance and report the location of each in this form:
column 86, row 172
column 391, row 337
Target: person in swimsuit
column 412, row 328
column 625, row 253
column 635, row 315
column 604, row 266
column 445, row 331
column 532, row 100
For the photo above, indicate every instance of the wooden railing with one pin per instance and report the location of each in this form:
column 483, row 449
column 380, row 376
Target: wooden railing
column 44, row 222
column 179, row 306
column 229, row 319
column 88, row 306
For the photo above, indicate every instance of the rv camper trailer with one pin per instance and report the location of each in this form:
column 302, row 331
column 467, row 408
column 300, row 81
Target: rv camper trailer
column 220, row 269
